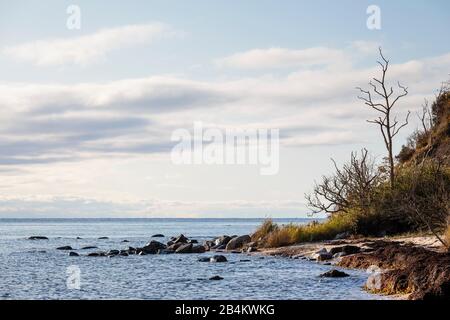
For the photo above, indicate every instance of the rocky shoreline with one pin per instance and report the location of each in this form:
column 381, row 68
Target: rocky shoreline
column 408, row 268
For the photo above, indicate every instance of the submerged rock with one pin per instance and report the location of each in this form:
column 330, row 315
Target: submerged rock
column 37, row 238
column 64, row 248
column 158, row 235
column 103, row 238
column 96, row 254
column 218, row 258
column 113, row 252
column 216, row 278
column 89, row 247
column 334, row 274
column 204, row 259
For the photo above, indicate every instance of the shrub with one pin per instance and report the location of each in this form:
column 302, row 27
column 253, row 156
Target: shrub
column 266, row 228
column 447, row 236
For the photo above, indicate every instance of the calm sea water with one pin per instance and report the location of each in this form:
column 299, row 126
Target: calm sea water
column 36, row 270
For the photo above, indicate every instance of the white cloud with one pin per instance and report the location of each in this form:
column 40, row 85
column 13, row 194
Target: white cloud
column 283, row 58
column 83, row 50
column 366, row 47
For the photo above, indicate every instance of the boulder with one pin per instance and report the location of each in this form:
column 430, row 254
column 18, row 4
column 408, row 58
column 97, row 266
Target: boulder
column 334, row 274
column 153, row 246
column 251, row 249
column 73, row 254
column 175, row 246
column 216, row 278
column 198, row 249
column 193, row 241
column 338, row 255
column 238, row 242
column 345, row 250
column 124, row 254
column 223, row 240
column 348, row 249
column 219, row 247
column 184, row 248
column 37, row 238
column 218, row 258
column 324, row 256
column 64, row 248
column 113, row 252
column 204, row 259
column 158, row 235
column 180, row 239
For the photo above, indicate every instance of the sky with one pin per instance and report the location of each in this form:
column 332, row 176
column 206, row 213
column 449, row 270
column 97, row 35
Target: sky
column 88, row 113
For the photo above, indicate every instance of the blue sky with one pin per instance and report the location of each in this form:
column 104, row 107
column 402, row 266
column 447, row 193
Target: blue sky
column 88, row 113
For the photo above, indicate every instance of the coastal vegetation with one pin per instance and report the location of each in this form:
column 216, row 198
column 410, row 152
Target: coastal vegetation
column 407, row 193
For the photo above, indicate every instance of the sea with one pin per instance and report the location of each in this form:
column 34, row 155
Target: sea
column 35, row 269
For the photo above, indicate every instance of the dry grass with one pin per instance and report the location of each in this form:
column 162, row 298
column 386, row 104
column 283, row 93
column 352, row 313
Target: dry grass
column 271, row 235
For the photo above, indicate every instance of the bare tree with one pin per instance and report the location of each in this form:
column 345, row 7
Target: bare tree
column 348, row 188
column 426, row 118
column 383, row 100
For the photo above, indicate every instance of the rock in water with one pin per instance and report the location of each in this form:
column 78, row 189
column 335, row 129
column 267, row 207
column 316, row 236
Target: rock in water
column 96, row 254
column 216, row 278
column 89, row 247
column 166, row 251
column 37, row 238
column 238, row 242
column 153, row 246
column 73, row 254
column 158, row 235
column 181, row 239
column 334, row 274
column 324, row 256
column 64, row 248
column 103, row 238
column 223, row 240
column 218, row 258
column 185, row 248
column 204, row 259
column 198, row 249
